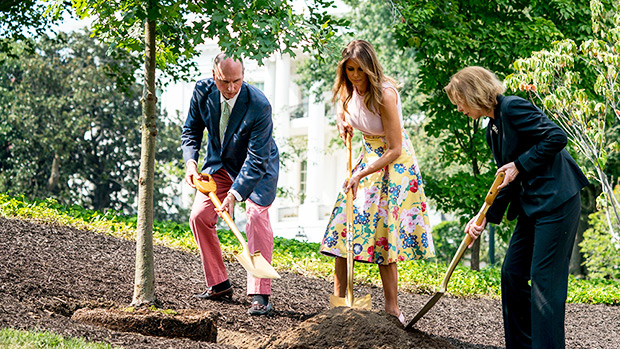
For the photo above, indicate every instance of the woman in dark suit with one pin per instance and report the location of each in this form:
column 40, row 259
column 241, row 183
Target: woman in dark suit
column 542, row 186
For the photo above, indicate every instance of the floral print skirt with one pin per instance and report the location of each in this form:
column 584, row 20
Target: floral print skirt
column 390, row 218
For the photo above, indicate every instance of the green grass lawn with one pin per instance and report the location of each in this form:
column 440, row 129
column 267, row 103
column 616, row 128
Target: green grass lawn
column 13, row 339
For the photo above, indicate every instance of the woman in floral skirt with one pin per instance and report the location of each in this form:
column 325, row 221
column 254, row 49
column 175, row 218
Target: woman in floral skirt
column 390, row 214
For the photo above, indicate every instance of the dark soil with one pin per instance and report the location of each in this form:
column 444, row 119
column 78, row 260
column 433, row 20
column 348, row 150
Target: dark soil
column 192, row 324
column 48, row 272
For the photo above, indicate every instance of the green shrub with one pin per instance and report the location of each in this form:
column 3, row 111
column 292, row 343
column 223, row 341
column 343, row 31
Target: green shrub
column 593, row 291
column 600, row 249
column 447, row 237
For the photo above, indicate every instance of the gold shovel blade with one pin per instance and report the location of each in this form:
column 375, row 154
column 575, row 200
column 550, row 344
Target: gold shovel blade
column 424, row 310
column 257, row 265
column 363, row 303
column 488, row 201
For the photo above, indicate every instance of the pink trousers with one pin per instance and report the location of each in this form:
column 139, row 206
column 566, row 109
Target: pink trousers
column 202, row 221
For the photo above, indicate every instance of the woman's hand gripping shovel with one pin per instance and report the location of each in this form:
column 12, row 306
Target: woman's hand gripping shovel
column 488, row 201
column 254, row 263
column 349, row 300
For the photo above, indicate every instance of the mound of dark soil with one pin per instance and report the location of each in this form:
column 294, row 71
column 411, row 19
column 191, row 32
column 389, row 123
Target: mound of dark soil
column 49, row 272
column 354, row 328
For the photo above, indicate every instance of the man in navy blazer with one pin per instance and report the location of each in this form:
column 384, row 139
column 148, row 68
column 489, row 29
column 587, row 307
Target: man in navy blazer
column 243, row 159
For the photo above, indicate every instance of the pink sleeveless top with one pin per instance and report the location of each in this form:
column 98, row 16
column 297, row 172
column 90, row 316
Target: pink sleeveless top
column 361, row 118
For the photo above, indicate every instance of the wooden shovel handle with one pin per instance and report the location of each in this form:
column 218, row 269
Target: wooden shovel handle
column 491, row 195
column 208, row 187
column 488, row 201
column 349, row 216
column 349, row 162
column 226, row 216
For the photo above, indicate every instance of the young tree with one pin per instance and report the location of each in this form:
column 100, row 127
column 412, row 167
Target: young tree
column 166, row 33
column 587, row 109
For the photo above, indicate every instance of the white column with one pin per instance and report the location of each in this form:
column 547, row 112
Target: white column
column 276, row 88
column 316, row 147
column 281, row 99
column 315, row 173
column 270, row 80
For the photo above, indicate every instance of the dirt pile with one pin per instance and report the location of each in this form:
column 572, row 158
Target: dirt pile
column 354, row 328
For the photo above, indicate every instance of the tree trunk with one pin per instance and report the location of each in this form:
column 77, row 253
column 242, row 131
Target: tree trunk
column 144, row 285
column 475, row 255
column 101, row 196
column 52, row 181
column 575, row 266
column 588, row 206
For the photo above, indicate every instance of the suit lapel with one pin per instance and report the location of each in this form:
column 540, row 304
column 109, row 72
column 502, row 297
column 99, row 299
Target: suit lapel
column 497, row 129
column 213, row 122
column 500, row 128
column 237, row 114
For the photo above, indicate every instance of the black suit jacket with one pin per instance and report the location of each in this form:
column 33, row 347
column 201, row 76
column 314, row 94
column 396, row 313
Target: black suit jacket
column 548, row 175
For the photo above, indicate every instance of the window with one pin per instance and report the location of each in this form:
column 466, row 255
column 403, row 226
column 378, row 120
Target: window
column 303, row 175
column 258, row 85
column 300, row 110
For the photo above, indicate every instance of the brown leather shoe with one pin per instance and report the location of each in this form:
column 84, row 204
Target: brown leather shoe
column 212, row 295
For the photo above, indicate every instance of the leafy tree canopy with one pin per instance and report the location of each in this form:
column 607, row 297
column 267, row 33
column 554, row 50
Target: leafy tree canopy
column 66, row 130
column 450, row 35
column 20, row 19
column 253, row 29
column 577, row 84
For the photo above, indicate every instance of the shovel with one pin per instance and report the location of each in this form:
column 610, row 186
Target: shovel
column 349, row 301
column 254, row 263
column 488, row 201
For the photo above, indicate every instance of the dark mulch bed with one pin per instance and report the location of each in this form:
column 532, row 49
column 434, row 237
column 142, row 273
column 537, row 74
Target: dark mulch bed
column 47, row 272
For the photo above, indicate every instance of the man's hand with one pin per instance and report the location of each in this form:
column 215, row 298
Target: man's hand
column 191, row 171
column 228, row 204
column 511, row 172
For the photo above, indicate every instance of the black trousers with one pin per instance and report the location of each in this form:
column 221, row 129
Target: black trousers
column 535, row 277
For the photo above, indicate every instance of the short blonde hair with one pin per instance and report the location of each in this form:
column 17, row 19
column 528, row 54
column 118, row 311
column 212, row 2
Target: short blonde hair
column 476, row 86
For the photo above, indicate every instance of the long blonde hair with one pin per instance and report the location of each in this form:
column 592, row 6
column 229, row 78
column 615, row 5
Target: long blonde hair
column 476, row 86
column 364, row 54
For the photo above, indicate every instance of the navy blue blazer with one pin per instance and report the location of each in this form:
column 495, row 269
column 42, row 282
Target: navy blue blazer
column 548, row 175
column 249, row 154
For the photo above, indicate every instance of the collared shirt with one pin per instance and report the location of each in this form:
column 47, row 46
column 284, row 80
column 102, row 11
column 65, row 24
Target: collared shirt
column 231, row 104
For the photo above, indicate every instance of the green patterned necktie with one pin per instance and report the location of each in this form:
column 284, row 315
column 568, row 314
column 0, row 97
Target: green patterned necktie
column 224, row 120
